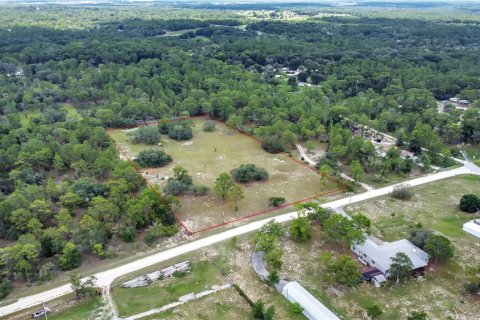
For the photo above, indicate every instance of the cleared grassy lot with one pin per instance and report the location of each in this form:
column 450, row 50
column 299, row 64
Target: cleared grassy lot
column 226, row 262
column 67, row 307
column 210, row 153
column 131, row 301
column 224, row 305
column 441, row 293
column 87, row 309
column 169, row 33
column 434, row 206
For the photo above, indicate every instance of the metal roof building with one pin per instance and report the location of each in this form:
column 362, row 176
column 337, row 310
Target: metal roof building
column 473, row 227
column 379, row 255
column 312, row 308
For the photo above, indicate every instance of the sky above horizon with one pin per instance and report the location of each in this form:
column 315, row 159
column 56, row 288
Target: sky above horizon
column 226, row 2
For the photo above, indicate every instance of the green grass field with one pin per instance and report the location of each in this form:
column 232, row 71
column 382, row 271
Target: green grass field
column 210, row 153
column 131, row 301
column 82, row 311
column 25, row 118
column 71, row 111
column 66, row 307
column 233, row 260
column 177, row 33
column 474, row 154
column 441, row 293
column 224, row 305
column 435, row 207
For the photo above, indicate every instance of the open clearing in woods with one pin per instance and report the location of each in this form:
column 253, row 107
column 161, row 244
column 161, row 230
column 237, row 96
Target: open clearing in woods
column 208, row 154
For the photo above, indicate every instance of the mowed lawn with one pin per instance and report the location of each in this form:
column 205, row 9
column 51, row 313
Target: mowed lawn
column 441, row 294
column 132, row 301
column 209, row 154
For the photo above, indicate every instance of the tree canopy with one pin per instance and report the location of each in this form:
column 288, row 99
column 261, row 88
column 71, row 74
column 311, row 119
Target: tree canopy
column 249, row 172
column 62, row 182
column 153, row 158
column 470, row 203
column 400, row 267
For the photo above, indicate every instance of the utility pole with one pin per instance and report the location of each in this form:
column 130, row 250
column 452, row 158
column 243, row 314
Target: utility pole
column 28, row 277
column 46, row 310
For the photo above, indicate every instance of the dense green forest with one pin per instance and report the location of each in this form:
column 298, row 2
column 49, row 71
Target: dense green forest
column 66, row 73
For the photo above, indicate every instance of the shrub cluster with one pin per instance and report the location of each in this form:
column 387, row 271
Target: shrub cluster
column 249, row 172
column 316, row 213
column 260, row 312
column 402, row 192
column 209, row 126
column 158, row 230
column 473, row 284
column 266, row 240
column 470, row 203
column 182, row 184
column 272, row 144
column 437, row 246
column 5, row 288
column 180, row 132
column 153, row 158
column 146, row 134
column 276, row 201
column 176, row 130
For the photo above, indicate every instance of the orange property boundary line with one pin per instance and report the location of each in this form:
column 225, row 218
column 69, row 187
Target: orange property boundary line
column 341, row 186
column 148, row 183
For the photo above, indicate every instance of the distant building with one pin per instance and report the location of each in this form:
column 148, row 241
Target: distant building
column 407, row 154
column 293, row 73
column 379, row 256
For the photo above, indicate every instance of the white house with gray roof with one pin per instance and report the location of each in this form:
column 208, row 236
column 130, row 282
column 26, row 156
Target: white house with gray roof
column 378, row 255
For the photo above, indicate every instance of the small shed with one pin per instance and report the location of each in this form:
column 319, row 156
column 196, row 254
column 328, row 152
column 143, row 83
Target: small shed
column 312, row 308
column 473, row 227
